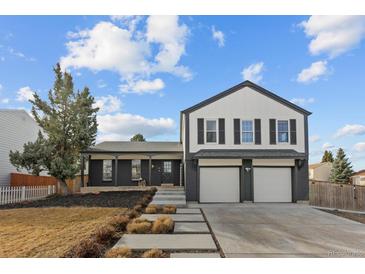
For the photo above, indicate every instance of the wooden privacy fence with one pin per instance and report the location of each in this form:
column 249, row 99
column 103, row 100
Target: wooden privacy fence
column 18, row 194
column 20, row 179
column 340, row 196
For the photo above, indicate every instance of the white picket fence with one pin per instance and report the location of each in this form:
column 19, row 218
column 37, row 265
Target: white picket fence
column 11, row 194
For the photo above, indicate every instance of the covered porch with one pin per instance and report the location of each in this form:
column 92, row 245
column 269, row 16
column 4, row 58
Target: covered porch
column 133, row 164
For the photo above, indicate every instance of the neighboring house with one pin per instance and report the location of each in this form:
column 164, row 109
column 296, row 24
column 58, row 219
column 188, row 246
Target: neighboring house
column 358, row 178
column 244, row 144
column 320, row 171
column 17, row 127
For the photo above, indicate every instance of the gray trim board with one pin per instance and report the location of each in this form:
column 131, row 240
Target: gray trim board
column 254, row 87
column 249, row 154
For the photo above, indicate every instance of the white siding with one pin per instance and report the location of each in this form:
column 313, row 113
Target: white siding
column 246, row 104
column 17, row 128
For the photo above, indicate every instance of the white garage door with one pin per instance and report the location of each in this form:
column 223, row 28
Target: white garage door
column 272, row 184
column 219, row 185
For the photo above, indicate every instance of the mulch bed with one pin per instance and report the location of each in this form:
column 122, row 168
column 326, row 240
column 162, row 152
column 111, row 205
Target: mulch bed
column 352, row 216
column 126, row 199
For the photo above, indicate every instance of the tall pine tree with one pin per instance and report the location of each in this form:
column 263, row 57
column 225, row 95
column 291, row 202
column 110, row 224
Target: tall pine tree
column 327, row 156
column 341, row 169
column 69, row 120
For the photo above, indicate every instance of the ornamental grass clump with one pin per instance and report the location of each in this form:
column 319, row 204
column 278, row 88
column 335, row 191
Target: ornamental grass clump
column 169, row 209
column 154, row 253
column 87, row 248
column 152, row 209
column 119, row 252
column 119, row 222
column 163, row 224
column 139, row 226
column 105, row 234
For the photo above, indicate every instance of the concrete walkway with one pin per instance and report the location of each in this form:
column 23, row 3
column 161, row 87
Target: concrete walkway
column 170, row 196
column 283, row 230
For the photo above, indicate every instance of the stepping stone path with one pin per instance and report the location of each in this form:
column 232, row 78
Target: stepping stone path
column 170, row 196
column 167, row 241
column 176, row 217
column 191, row 232
column 194, row 255
column 184, row 227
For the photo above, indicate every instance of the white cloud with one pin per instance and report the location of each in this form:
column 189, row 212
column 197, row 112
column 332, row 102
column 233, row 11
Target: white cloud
column 101, row 84
column 133, row 54
column 108, row 104
column 359, row 147
column 171, row 37
column 129, row 21
column 314, row 138
column 143, row 86
column 327, row 146
column 311, row 74
column 354, row 129
column 218, row 36
column 5, row 101
column 1, row 87
column 122, row 126
column 302, row 101
column 334, row 35
column 21, row 55
column 253, row 72
column 25, row 94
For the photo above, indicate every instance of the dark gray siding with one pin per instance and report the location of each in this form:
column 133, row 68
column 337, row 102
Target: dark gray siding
column 125, row 173
column 191, row 180
column 246, row 181
column 302, row 184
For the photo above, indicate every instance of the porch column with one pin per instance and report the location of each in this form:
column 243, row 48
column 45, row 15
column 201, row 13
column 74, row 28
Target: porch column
column 82, row 169
column 116, row 170
column 149, row 169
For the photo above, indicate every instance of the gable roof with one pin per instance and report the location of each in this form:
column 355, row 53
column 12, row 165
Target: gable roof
column 359, row 173
column 127, row 146
column 254, row 87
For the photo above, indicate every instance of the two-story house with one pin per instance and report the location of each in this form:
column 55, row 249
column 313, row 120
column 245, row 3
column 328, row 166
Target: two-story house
column 244, row 144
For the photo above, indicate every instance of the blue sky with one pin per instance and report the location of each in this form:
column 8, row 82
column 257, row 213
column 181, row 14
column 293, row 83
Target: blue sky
column 144, row 70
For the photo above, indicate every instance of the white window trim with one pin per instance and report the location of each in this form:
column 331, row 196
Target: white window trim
column 216, row 131
column 170, row 165
column 111, row 177
column 277, row 131
column 253, row 132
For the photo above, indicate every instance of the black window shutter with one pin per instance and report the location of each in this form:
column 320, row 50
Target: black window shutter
column 258, row 131
column 221, row 125
column 237, row 133
column 272, row 131
column 200, row 131
column 293, row 131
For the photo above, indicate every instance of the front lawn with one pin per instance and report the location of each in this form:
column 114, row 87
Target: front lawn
column 52, row 226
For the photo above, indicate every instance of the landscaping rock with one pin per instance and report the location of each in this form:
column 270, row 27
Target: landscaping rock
column 176, row 217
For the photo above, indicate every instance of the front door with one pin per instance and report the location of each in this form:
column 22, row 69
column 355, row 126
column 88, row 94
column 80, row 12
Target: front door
column 166, row 172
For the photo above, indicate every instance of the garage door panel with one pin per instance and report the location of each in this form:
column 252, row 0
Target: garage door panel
column 272, row 184
column 219, row 185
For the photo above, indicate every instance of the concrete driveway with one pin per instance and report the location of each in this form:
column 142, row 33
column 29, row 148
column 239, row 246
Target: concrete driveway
column 283, row 230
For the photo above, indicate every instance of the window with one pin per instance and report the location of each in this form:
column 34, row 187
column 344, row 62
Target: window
column 211, row 132
column 107, row 170
column 167, row 167
column 247, row 131
column 136, row 169
column 283, row 131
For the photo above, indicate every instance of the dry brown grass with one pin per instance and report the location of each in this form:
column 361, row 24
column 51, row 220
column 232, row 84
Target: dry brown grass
column 139, row 226
column 163, row 224
column 119, row 252
column 169, row 209
column 154, row 253
column 119, row 222
column 48, row 232
column 152, row 209
column 138, row 208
